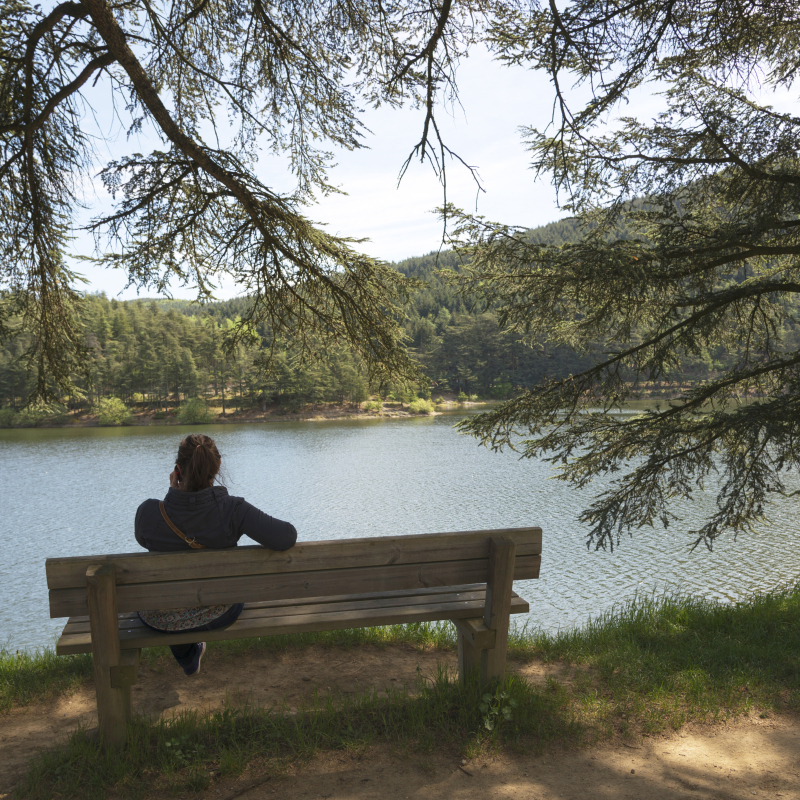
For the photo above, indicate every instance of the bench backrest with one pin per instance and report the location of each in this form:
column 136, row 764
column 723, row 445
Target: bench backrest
column 309, row 569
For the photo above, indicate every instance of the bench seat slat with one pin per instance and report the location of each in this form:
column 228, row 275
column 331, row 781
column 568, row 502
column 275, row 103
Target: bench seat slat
column 467, row 587
column 290, row 586
column 341, row 598
column 130, row 621
column 134, row 568
column 324, row 616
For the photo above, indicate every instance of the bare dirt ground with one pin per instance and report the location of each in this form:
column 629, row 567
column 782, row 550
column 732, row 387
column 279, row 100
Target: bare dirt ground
column 745, row 760
column 751, row 758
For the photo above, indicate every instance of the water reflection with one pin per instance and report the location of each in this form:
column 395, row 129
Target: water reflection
column 75, row 492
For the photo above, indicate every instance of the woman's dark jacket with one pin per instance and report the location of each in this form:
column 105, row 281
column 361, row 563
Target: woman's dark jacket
column 213, row 518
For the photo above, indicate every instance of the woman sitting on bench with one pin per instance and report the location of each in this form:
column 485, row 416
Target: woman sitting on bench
column 195, row 514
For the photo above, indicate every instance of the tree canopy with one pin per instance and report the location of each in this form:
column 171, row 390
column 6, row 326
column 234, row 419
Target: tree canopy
column 158, row 353
column 691, row 240
column 219, row 81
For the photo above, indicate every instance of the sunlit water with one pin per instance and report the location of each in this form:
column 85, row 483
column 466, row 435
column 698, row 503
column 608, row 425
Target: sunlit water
column 75, row 492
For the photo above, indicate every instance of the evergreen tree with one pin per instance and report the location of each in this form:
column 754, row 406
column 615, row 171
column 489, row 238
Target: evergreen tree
column 287, row 78
column 688, row 263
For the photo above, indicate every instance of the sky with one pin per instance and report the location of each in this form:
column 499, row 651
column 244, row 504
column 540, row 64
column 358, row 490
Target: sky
column 399, row 221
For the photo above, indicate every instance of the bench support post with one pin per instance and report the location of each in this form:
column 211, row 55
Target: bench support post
column 469, row 658
column 124, row 676
column 113, row 704
column 496, row 613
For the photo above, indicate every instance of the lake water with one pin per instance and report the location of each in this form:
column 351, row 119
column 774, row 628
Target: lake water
column 75, row 492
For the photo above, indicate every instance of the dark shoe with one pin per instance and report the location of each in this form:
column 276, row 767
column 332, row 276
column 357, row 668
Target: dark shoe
column 194, row 667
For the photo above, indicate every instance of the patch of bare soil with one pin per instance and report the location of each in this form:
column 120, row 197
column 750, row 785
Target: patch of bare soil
column 722, row 762
column 263, row 678
column 747, row 759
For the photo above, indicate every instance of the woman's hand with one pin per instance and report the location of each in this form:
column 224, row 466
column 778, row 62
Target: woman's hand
column 174, row 479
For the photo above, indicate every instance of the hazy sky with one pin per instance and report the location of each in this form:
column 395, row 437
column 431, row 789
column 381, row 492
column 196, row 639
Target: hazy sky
column 398, row 220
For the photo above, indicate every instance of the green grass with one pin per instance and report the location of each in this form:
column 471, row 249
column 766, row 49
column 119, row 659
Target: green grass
column 671, row 658
column 654, row 663
column 28, row 677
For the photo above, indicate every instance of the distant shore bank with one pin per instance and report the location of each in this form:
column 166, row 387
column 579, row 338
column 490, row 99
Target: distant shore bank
column 320, row 412
column 373, row 409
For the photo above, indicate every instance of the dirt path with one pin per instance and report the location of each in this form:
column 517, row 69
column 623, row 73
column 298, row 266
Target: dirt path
column 723, row 762
column 751, row 758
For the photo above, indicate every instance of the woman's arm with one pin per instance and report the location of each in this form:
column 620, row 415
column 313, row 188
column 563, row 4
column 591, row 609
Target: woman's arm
column 264, row 529
column 137, row 528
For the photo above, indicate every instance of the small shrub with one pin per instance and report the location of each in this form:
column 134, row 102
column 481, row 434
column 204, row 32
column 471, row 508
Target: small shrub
column 439, row 400
column 29, row 418
column 195, row 412
column 497, row 707
column 420, row 406
column 34, row 416
column 473, row 398
column 408, row 395
column 373, row 405
column 462, row 398
column 501, row 390
column 8, row 418
column 112, row 411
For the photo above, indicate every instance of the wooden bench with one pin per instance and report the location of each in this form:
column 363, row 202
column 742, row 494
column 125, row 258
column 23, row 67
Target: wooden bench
column 316, row 586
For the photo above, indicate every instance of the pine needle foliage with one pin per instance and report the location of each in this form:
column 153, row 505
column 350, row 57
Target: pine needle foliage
column 221, row 83
column 691, row 243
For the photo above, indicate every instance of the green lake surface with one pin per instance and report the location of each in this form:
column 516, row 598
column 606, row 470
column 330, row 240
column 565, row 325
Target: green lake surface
column 75, row 492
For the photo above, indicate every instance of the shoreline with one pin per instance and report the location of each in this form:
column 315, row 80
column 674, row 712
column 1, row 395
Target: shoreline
column 275, row 413
column 85, row 419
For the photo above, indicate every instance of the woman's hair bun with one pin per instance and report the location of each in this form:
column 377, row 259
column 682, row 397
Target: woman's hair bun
column 199, row 462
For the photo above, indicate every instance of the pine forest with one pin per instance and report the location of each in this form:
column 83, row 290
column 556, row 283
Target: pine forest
column 156, row 355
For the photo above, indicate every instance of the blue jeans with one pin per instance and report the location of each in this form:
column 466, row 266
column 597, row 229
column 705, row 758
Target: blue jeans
column 186, row 653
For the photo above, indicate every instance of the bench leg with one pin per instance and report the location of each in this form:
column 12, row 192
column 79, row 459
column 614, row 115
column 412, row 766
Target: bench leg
column 113, row 704
column 124, row 676
column 469, row 658
column 497, row 611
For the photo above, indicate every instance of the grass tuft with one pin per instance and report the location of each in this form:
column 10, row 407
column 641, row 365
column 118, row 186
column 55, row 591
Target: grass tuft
column 27, row 677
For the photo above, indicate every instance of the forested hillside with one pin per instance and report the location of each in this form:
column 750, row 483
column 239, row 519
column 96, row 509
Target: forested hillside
column 463, row 349
column 158, row 353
